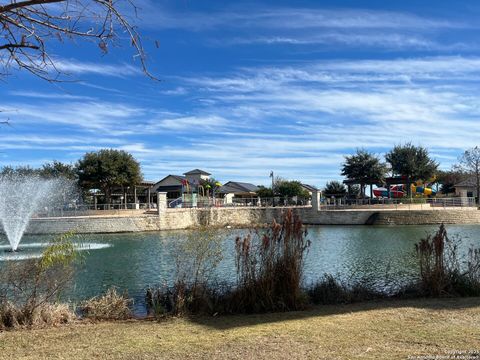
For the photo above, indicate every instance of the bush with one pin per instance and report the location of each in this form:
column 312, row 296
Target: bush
column 270, row 268
column 30, row 289
column 196, row 258
column 109, row 306
column 182, row 299
column 12, row 316
column 440, row 269
column 331, row 291
column 269, row 274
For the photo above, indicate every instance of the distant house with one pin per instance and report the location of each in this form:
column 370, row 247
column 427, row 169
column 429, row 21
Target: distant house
column 235, row 189
column 467, row 188
column 194, row 177
column 309, row 188
column 171, row 184
column 176, row 185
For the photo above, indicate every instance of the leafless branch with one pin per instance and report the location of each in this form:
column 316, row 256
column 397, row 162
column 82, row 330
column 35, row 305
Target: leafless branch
column 28, row 26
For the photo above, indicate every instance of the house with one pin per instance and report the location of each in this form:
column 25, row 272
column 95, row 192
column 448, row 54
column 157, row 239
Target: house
column 467, row 188
column 196, row 176
column 171, row 184
column 238, row 190
column 176, row 185
column 310, row 189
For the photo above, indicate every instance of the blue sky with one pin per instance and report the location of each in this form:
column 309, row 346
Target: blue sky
column 249, row 87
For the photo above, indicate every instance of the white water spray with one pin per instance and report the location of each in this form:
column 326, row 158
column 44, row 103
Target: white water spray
column 23, row 196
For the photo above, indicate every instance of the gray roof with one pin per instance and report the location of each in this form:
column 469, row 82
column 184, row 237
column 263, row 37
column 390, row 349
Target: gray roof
column 197, row 171
column 469, row 182
column 310, row 187
column 237, row 187
column 176, row 177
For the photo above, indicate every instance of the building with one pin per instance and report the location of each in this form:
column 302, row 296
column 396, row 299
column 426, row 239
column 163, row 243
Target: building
column 171, row 184
column 310, row 189
column 467, row 188
column 196, row 176
column 176, row 185
column 237, row 190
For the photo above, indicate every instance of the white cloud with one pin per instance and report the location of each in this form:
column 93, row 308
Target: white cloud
column 76, row 67
column 44, row 95
column 154, row 15
column 191, row 124
column 298, row 120
column 352, row 40
column 112, row 118
column 179, row 90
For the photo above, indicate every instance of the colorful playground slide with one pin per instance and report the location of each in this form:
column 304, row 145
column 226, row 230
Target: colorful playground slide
column 399, row 191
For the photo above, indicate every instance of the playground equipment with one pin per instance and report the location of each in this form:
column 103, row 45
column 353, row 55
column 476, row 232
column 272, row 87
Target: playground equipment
column 399, row 191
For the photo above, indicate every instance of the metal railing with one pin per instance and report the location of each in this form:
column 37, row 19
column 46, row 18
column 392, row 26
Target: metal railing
column 91, row 209
column 240, row 202
column 325, row 204
column 400, row 204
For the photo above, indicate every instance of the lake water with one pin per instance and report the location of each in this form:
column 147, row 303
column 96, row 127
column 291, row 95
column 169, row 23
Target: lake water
column 134, row 261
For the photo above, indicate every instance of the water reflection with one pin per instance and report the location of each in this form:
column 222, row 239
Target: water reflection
column 133, row 262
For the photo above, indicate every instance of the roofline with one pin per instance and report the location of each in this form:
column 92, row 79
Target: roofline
column 159, row 181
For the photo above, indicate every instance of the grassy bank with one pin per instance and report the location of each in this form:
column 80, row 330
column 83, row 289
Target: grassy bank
column 371, row 330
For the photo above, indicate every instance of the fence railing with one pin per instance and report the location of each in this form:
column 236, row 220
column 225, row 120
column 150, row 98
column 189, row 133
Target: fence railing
column 91, row 209
column 239, row 202
column 325, row 204
column 403, row 203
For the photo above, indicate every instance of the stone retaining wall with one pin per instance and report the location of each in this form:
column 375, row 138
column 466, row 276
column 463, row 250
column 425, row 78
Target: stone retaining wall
column 176, row 219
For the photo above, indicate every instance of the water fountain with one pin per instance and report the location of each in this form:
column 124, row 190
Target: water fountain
column 21, row 196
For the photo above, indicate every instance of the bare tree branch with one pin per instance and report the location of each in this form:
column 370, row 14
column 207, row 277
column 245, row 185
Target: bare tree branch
column 28, row 26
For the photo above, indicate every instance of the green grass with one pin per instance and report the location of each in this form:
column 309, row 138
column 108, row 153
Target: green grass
column 371, row 330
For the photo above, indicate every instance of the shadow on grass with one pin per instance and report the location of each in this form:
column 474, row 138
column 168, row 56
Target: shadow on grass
column 224, row 322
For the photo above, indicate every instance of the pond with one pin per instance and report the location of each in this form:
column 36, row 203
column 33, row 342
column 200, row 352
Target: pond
column 134, row 261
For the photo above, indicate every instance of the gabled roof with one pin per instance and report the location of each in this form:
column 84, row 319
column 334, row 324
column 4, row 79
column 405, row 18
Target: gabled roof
column 469, row 182
column 237, row 187
column 176, row 177
column 309, row 187
column 197, row 171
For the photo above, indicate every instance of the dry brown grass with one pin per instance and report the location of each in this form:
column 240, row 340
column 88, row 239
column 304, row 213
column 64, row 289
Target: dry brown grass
column 372, row 330
column 109, row 306
column 43, row 315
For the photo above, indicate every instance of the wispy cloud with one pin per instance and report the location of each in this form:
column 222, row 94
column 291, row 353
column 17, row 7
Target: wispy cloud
column 75, row 67
column 296, row 26
column 44, row 95
column 94, row 116
column 191, row 123
column 151, row 13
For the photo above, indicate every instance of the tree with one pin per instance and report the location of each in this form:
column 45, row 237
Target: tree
column 470, row 161
column 364, row 167
column 28, row 26
column 210, row 186
column 56, row 169
column 19, row 171
column 335, row 188
column 106, row 169
column 413, row 162
column 265, row 192
column 291, row 188
column 448, row 178
column 354, row 191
